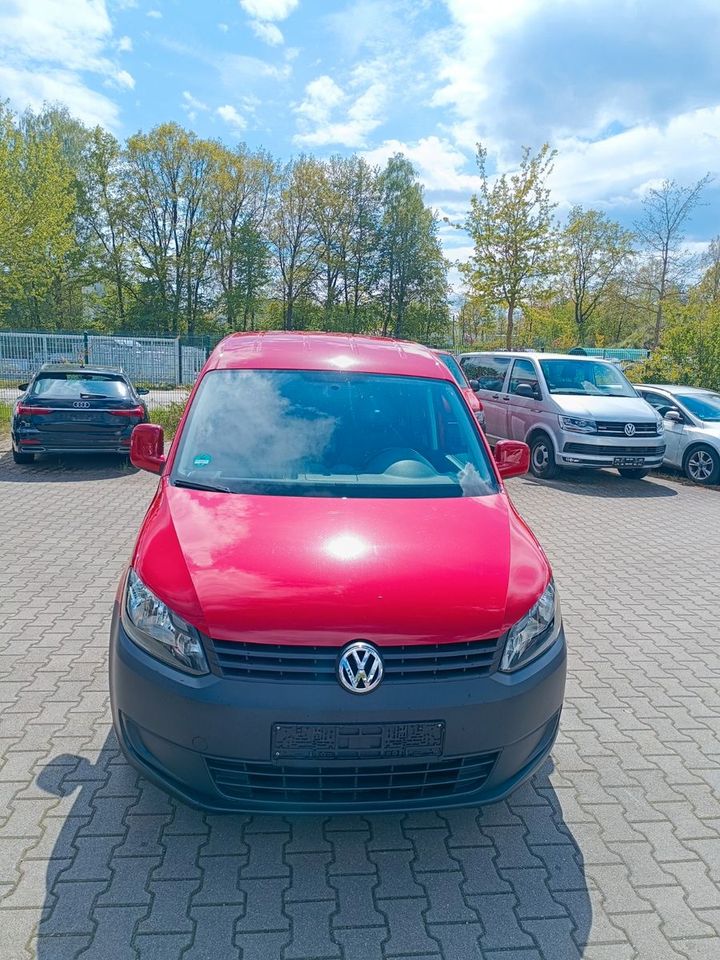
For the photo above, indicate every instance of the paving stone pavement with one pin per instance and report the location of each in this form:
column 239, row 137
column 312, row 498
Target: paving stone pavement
column 611, row 852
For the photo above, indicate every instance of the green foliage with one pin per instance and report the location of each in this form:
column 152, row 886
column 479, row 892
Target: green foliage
column 168, row 416
column 512, row 226
column 37, row 204
column 689, row 351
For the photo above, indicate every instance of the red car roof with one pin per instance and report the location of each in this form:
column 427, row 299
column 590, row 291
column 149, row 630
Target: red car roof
column 286, row 350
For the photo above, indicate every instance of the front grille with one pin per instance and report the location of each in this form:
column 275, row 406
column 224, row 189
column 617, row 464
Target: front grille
column 613, row 450
column 243, row 780
column 610, row 429
column 277, row 661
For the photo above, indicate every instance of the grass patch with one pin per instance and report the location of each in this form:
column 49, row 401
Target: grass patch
column 5, row 415
column 167, row 417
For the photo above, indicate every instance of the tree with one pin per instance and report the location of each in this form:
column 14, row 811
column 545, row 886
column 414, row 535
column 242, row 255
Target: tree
column 167, row 184
column 709, row 287
column 595, row 250
column 411, row 266
column 37, row 205
column 513, row 230
column 241, row 184
column 666, row 212
column 105, row 213
column 293, row 235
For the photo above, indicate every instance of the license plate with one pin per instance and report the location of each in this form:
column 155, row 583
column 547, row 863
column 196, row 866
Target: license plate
column 356, row 741
column 84, row 417
column 629, row 462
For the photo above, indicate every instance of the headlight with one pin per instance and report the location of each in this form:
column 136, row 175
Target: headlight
column 578, row 425
column 532, row 635
column 152, row 625
column 660, row 426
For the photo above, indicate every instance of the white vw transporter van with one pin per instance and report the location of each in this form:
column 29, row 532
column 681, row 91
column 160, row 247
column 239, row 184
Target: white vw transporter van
column 572, row 411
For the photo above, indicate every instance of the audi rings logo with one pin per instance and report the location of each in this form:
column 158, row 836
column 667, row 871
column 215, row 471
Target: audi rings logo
column 630, row 429
column 360, row 668
column 81, row 403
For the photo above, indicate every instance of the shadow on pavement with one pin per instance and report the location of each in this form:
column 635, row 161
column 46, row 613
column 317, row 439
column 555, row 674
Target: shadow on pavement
column 68, row 468
column 602, row 483
column 135, row 873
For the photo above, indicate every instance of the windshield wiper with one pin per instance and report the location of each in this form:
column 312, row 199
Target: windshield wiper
column 193, row 485
column 94, row 396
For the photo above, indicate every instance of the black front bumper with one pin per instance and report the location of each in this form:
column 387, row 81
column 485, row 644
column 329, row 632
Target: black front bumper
column 211, row 741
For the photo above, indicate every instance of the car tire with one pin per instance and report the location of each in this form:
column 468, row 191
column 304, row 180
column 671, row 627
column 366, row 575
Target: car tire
column 631, row 473
column 22, row 457
column 702, row 465
column 542, row 457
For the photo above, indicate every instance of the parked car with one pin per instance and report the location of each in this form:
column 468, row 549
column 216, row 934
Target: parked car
column 466, row 388
column 332, row 604
column 68, row 408
column 692, row 428
column 572, row 411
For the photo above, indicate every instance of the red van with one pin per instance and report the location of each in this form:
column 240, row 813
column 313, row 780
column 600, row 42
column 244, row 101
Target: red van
column 332, row 604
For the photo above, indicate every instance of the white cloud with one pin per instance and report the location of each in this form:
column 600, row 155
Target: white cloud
column 193, row 103
column 29, row 88
column 239, row 71
column 233, row 119
column 47, row 47
column 465, row 82
column 440, row 165
column 154, row 14
column 269, row 9
column 223, row 27
column 124, row 80
column 124, row 45
column 267, row 32
column 318, row 110
column 192, row 106
column 618, row 169
column 322, row 95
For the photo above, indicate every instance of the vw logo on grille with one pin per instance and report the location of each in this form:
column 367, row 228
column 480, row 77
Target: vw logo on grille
column 81, row 403
column 630, row 429
column 360, row 668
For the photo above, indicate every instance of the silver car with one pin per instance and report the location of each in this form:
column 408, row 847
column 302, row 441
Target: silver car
column 692, row 428
column 572, row 411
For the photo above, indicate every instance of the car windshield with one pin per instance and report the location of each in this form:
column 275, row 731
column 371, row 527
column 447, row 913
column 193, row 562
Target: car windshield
column 705, row 406
column 319, row 433
column 585, row 378
column 455, row 369
column 77, row 386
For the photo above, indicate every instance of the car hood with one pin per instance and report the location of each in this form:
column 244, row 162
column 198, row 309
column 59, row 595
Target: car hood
column 313, row 570
column 605, row 408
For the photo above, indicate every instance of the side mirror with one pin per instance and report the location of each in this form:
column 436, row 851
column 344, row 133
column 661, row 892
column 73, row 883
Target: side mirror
column 524, row 390
column 23, row 386
column 142, row 391
column 673, row 416
column 474, row 385
column 512, row 458
column 147, row 444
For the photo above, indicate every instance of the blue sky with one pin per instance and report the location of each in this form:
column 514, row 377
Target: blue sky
column 628, row 91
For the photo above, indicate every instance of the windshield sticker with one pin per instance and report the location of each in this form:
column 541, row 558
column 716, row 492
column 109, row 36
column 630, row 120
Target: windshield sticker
column 202, row 460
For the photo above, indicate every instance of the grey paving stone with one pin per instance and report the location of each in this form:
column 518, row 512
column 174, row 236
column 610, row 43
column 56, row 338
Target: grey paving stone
column 611, row 851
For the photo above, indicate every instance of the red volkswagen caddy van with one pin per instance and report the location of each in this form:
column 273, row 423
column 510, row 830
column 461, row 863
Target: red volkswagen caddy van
column 332, row 604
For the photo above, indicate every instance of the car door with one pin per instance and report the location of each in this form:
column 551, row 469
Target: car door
column 674, row 430
column 490, row 372
column 523, row 399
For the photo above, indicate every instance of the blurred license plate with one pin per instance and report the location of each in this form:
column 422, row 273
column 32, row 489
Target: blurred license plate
column 84, row 417
column 629, row 462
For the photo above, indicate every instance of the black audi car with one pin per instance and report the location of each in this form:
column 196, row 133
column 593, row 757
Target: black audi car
column 75, row 409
